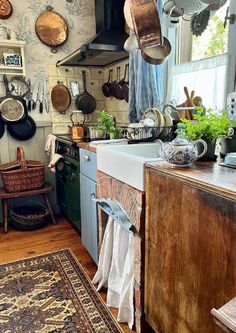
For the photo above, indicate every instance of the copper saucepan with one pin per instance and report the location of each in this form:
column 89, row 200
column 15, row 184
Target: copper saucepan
column 155, row 48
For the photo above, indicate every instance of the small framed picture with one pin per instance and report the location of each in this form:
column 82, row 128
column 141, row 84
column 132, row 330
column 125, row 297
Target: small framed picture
column 12, row 59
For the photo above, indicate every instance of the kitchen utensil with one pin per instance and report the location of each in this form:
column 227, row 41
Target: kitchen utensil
column 51, row 28
column 199, row 22
column 41, row 97
column 217, row 5
column 189, row 102
column 6, row 9
column 107, row 86
column 131, row 43
column 13, row 108
column 127, row 14
column 158, row 54
column 29, row 106
column 171, row 15
column 24, row 130
column 118, row 86
column 60, row 97
column 125, row 86
column 85, row 102
column 35, row 94
column 2, row 128
column 146, row 22
column 190, row 7
column 19, row 87
column 77, row 130
column 209, row 1
column 180, row 152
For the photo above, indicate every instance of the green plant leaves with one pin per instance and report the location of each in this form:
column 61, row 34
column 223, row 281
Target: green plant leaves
column 208, row 125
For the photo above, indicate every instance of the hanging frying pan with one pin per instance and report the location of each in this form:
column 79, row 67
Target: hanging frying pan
column 125, row 85
column 60, row 97
column 24, row 130
column 107, row 86
column 85, row 102
column 51, row 28
column 2, row 128
column 118, row 86
column 5, row 9
column 13, row 108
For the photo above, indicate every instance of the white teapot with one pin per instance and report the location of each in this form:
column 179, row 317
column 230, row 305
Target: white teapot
column 181, row 152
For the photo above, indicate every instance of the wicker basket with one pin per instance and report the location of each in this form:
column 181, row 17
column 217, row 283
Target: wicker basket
column 22, row 176
column 29, row 217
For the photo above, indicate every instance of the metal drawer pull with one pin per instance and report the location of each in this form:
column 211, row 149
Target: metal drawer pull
column 86, row 158
column 93, row 195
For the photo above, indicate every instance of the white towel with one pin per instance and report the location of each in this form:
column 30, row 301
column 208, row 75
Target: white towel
column 116, row 270
column 126, row 305
column 55, row 158
column 105, row 257
column 50, row 146
column 120, row 248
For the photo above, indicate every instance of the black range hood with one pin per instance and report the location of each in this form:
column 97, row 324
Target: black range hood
column 106, row 47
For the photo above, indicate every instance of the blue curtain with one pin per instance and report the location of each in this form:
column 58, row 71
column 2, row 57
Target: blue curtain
column 145, row 83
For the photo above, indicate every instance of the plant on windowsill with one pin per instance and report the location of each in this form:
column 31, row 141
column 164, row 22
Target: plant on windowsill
column 207, row 125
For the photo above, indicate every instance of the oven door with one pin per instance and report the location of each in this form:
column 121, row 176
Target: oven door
column 68, row 189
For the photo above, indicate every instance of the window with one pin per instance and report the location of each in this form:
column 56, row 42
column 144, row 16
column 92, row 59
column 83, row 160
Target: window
column 205, row 64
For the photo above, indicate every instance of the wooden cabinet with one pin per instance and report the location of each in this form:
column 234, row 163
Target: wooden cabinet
column 12, row 47
column 89, row 221
column 190, row 264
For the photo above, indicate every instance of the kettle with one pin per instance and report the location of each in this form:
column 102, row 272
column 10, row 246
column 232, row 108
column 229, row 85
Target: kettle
column 77, row 130
column 180, row 152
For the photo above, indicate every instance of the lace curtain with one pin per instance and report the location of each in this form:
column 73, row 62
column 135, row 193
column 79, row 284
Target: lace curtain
column 209, row 78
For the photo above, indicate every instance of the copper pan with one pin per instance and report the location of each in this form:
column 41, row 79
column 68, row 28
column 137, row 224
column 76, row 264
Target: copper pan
column 5, row 9
column 158, row 54
column 51, row 28
column 146, row 22
column 60, row 97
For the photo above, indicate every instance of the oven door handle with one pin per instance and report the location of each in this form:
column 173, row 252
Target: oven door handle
column 71, row 165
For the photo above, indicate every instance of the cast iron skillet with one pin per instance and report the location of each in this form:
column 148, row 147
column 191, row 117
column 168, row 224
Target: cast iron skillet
column 24, row 130
column 107, row 86
column 85, row 102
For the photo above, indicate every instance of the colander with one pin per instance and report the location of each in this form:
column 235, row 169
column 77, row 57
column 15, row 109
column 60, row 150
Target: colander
column 209, row 2
column 190, row 7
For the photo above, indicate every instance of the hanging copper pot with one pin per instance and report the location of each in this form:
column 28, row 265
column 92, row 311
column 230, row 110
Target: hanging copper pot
column 51, row 28
column 5, row 9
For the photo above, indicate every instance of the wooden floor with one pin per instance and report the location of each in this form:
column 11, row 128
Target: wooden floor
column 24, row 244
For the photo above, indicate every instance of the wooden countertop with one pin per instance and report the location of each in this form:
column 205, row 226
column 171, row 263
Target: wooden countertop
column 206, row 175
column 86, row 145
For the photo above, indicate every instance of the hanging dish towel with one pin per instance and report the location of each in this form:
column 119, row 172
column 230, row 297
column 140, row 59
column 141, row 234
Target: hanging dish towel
column 55, row 158
column 126, row 305
column 104, row 263
column 50, row 146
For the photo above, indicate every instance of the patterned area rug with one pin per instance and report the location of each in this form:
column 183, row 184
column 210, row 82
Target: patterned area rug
column 51, row 294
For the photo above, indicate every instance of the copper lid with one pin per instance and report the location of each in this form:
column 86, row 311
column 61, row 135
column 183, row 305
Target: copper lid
column 5, row 9
column 51, row 28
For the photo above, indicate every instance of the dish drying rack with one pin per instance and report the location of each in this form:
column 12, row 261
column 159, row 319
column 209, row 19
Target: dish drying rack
column 149, row 134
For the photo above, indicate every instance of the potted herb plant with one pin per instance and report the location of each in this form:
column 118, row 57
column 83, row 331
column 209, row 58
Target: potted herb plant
column 106, row 126
column 207, row 125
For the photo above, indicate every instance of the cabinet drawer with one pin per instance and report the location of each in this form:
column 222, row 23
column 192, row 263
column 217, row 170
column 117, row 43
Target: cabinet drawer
column 88, row 163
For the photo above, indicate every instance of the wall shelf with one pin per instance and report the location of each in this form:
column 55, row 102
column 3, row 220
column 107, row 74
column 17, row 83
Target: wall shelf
column 12, row 46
